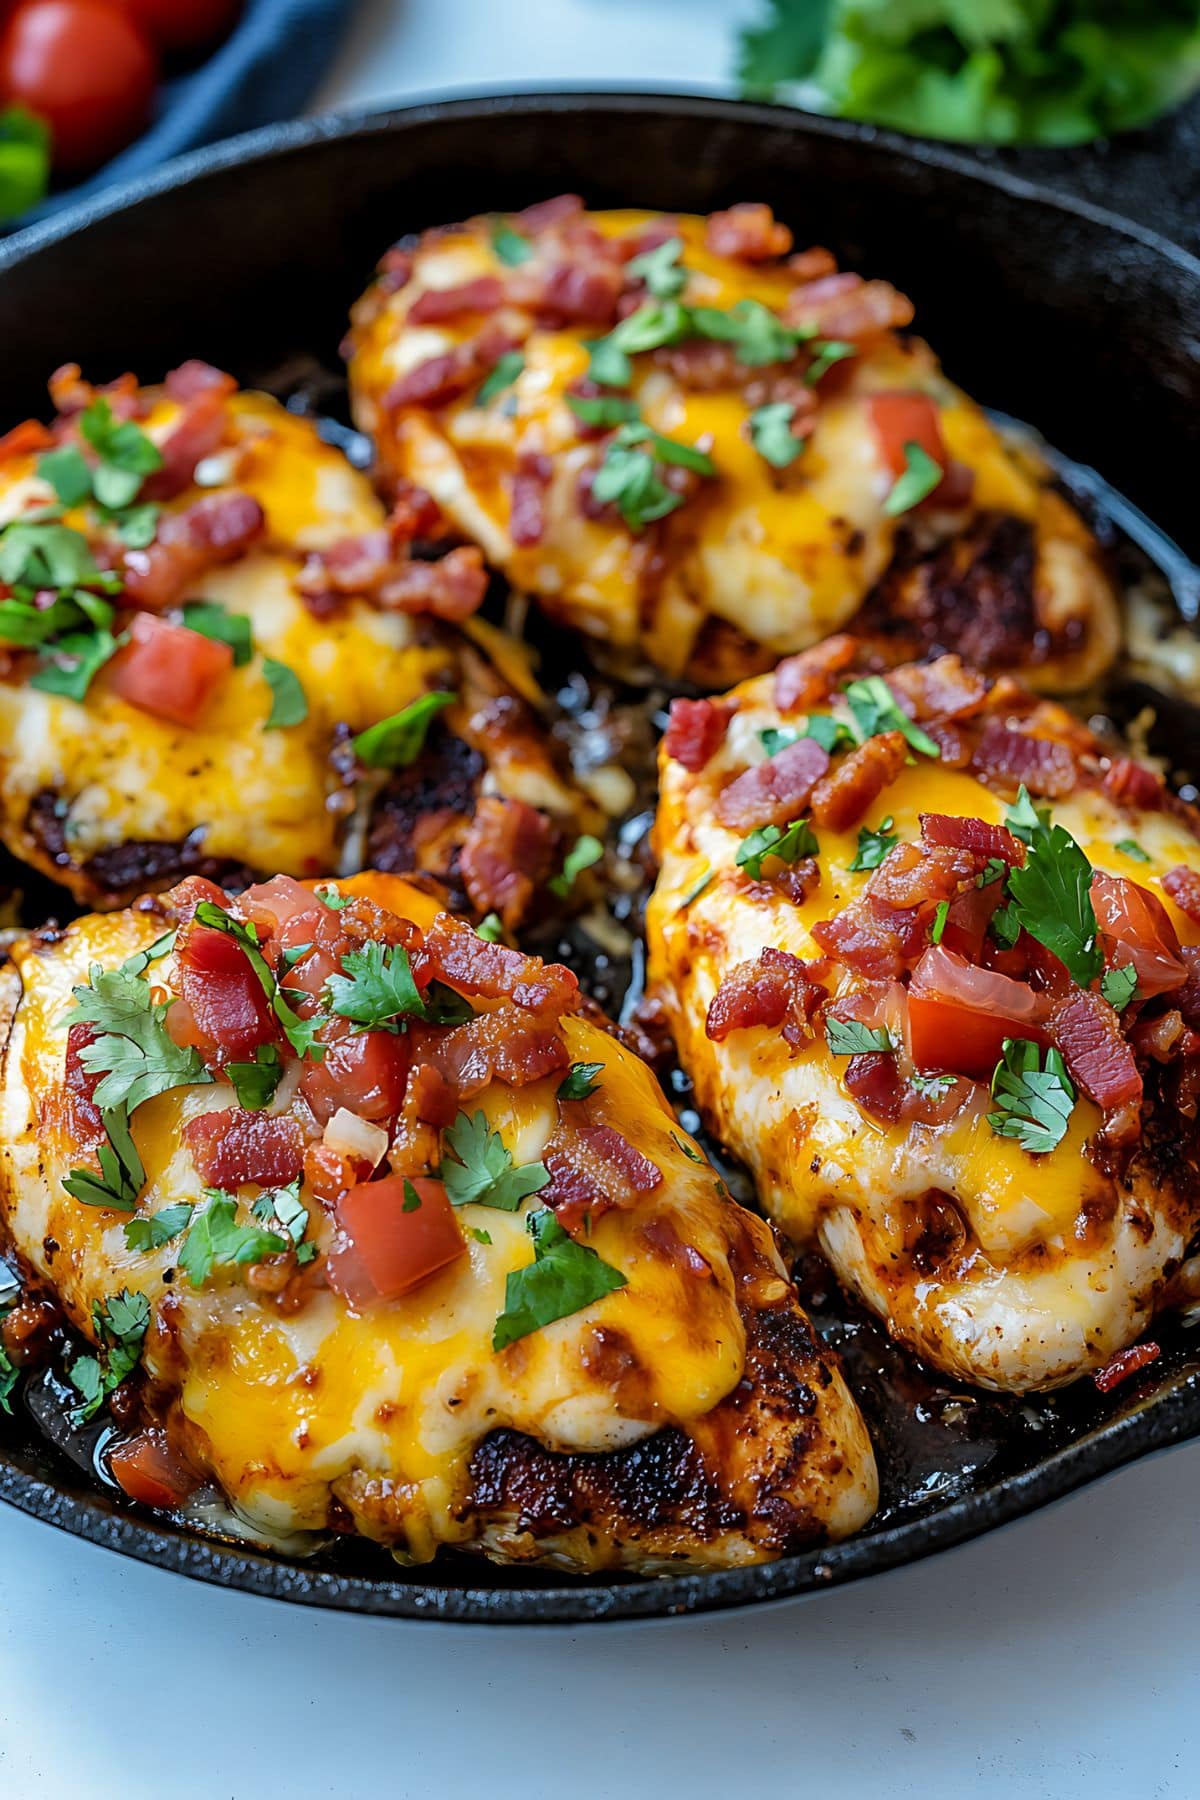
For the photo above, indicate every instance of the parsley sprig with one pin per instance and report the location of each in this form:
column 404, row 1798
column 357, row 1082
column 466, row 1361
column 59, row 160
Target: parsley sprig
column 1034, row 1099
column 216, row 1240
column 788, row 843
column 875, row 709
column 628, row 476
column 375, row 988
column 873, row 846
column 481, row 1172
column 396, row 742
column 133, row 1051
column 563, row 1278
column 120, row 1324
column 1051, row 895
column 850, row 1037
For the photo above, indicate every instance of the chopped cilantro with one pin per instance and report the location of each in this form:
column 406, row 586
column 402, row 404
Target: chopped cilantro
column 395, row 743
column 580, row 1081
column 289, row 702
column 775, row 738
column 830, row 733
column 284, row 1207
column 692, row 1155
column 826, row 352
column 628, row 477
column 159, row 1228
column 1005, row 926
column 216, row 1240
column 412, row 1200
column 772, row 435
column 1051, row 894
column 1025, row 820
column 584, row 853
column 330, row 897
column 873, row 846
column 120, row 1324
column 563, row 1278
column 70, row 664
column 212, row 620
column 940, row 915
column 876, row 710
column 375, row 988
column 126, row 455
column 134, row 1053
column 603, row 409
column 1119, row 986
column 695, row 892
column 661, row 269
column 255, row 1082
column 849, row 1037
column 481, row 1171
column 504, row 372
column 491, row 929
column 509, row 246
column 933, row 1086
column 1131, row 847
column 788, row 843
column 1035, row 1100
column 995, row 869
column 480, row 1235
column 122, row 1176
column 758, row 335
column 921, row 475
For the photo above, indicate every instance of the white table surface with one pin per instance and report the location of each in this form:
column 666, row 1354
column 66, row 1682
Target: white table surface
column 1053, row 1659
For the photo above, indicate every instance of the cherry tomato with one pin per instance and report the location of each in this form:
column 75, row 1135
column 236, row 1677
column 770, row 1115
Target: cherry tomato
column 86, row 69
column 1135, row 927
column 385, row 1250
column 182, row 24
column 959, row 1016
column 149, row 1471
column 168, row 670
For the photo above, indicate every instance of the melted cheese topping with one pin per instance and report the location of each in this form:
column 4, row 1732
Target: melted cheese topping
column 782, row 555
column 287, row 1409
column 1041, row 1303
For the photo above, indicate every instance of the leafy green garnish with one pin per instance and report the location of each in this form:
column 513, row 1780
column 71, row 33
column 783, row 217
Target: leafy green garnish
column 1131, row 847
column 706, row 880
column 661, row 269
column 299, row 1032
column 159, row 1228
column 375, row 988
column 125, row 454
column 10, row 1374
column 412, row 1200
column 789, row 843
column 134, row 1053
column 629, row 479
column 1051, row 895
column 70, row 664
column 1035, row 1099
column 1025, row 820
column 603, row 409
column 216, row 1240
column 941, row 913
column 775, row 738
column 849, row 1037
column 491, row 929
column 934, row 1086
column 826, row 352
column 284, row 1207
column 24, row 161
column 830, row 733
column 510, row 247
column 481, row 1171
column 583, row 854
column 563, row 1278
column 921, row 475
column 212, row 620
column 876, row 710
column 758, row 335
column 579, row 1081
column 772, row 435
column 873, row 846
column 255, row 1082
column 289, row 702
column 692, row 1155
column 120, row 1323
column 995, row 869
column 122, row 1176
column 1119, row 986
column 504, row 372
column 397, row 742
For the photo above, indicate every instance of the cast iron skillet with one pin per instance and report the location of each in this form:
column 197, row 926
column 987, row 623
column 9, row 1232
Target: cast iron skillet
column 1059, row 313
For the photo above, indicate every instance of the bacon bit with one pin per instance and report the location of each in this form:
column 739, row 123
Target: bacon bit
column 582, row 1169
column 213, row 531
column 527, row 514
column 985, row 841
column 454, row 954
column 431, row 1097
column 1130, row 784
column 572, row 1191
column 583, row 292
column 1044, row 765
column 70, row 395
column 1125, row 1363
column 227, row 1014
column 85, row 1127
column 415, row 514
column 775, row 790
column 436, row 305
column 234, row 1146
column 856, row 782
column 1183, row 886
column 663, row 1238
column 545, row 213
column 1162, row 1037
column 846, row 306
column 328, row 1174
column 796, row 881
column 808, row 680
column 943, row 689
column 195, row 377
column 452, row 587
column 695, row 731
column 503, row 1045
column 447, row 376
column 812, row 265
column 701, row 365
column 778, row 989
column 877, row 940
column 201, row 430
column 749, row 231
column 642, row 1175
column 26, row 439
column 1088, row 1033
column 506, row 856
column 914, row 875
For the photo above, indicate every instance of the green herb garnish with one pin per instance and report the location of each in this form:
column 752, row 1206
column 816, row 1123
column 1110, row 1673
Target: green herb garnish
column 397, row 742
column 563, row 1278
column 1035, row 1099
column 481, row 1171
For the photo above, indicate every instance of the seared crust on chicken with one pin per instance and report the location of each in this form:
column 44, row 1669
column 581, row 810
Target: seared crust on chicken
column 248, row 613
column 392, row 1367
column 843, row 1008
column 751, row 454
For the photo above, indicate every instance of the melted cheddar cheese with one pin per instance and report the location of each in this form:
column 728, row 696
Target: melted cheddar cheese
column 773, row 558
column 297, row 1413
column 1045, row 1297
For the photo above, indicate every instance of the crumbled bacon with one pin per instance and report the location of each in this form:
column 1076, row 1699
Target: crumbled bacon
column 447, row 376
column 235, row 1146
column 592, row 1170
column 749, row 231
column 989, row 842
column 776, row 990
column 505, row 856
column 451, row 587
column 1044, row 765
column 544, row 214
column 436, row 305
column 943, row 689
column 1130, row 784
column 453, row 953
column 415, row 514
column 695, row 731
column 504, row 1045
column 921, row 875
column 527, row 516
column 1183, row 886
column 808, row 680
column 1125, row 1363
column 873, row 938
column 1088, row 1033
column 25, row 439
column 583, row 291
column 213, row 531
column 70, row 394
column 85, row 1127
column 573, row 1191
column 612, row 1147
column 813, row 264
column 880, row 1088
column 701, row 365
column 854, row 783
column 775, row 790
column 201, row 429
column 433, row 1100
column 845, row 306
column 195, row 377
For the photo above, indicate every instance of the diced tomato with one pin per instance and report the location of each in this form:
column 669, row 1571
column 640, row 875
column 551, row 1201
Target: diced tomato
column 150, row 1472
column 228, row 1008
column 899, row 418
column 168, row 670
column 959, row 1016
column 1135, row 927
column 384, row 1251
column 84, row 1123
column 364, row 1071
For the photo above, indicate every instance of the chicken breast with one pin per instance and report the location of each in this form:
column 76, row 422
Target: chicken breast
column 708, row 453
column 204, row 609
column 449, row 1273
column 929, row 952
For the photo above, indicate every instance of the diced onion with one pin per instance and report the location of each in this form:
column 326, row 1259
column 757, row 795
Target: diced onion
column 351, row 1136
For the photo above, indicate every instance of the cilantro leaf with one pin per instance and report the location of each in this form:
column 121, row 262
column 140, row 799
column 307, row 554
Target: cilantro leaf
column 212, row 620
column 941, row 913
column 579, row 1081
column 126, row 455
column 692, row 1155
column 289, row 702
column 921, row 475
column 788, row 843
column 397, row 742
column 706, row 880
column 563, row 1278
column 159, row 1228
column 376, row 988
column 848, row 1037
column 255, row 1082
column 120, row 1323
column 122, row 1176
column 491, row 929
column 1131, row 847
column 1119, row 986
column 772, row 435
column 775, row 738
column 758, row 335
column 995, row 869
column 628, row 477
column 1025, row 820
column 1005, row 926
column 509, row 246
column 826, row 352
column 502, row 375
column 932, row 1085
column 1051, row 899
column 603, row 409
column 412, row 1200
column 1035, row 1101
column 482, row 1171
column 134, row 1052
column 299, row 1032
column 284, row 1207
column 70, row 664
column 830, row 733
column 585, row 852
column 661, row 269
column 876, row 710
column 873, row 846
column 68, row 472
column 216, row 1240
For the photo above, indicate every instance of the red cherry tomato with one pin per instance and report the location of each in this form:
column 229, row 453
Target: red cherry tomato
column 86, row 69
column 959, row 1016
column 385, row 1249
column 168, row 670
column 182, row 24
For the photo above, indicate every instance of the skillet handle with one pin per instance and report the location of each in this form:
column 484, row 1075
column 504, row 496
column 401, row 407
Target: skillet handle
column 1151, row 176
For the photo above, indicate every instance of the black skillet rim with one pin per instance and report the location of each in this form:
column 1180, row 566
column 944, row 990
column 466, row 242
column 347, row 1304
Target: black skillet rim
column 1166, row 1418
